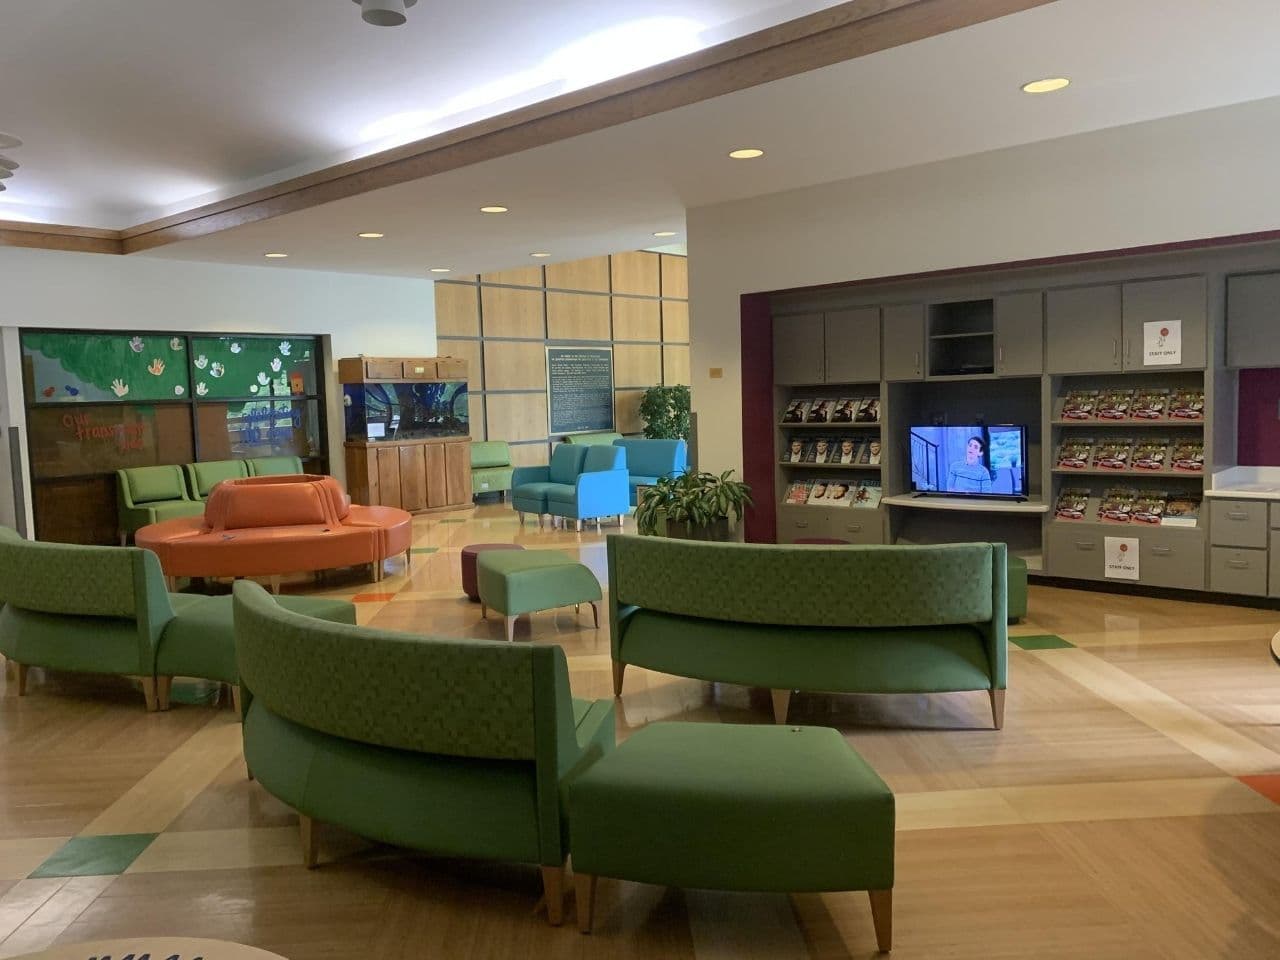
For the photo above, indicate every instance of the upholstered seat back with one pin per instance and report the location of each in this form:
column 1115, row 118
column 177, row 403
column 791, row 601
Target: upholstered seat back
column 655, row 458
column 273, row 466
column 566, row 463
column 205, row 476
column 276, row 501
column 490, row 453
column 154, row 484
column 63, row 578
column 604, row 458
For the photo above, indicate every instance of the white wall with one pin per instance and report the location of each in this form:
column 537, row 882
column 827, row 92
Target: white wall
column 1200, row 175
column 380, row 316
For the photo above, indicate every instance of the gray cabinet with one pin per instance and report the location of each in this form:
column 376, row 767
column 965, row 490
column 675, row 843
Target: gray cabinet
column 1171, row 558
column 904, row 342
column 1075, row 551
column 1083, row 329
column 1253, row 320
column 1273, row 578
column 1019, row 334
column 853, row 346
column 799, row 348
column 851, row 524
column 1182, row 300
column 1238, row 523
column 1233, row 570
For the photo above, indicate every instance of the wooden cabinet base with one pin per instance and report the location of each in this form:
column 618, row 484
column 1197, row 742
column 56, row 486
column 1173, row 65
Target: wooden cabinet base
column 421, row 476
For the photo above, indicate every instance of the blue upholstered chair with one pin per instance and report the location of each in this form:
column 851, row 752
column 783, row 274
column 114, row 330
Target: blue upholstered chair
column 647, row 460
column 580, row 483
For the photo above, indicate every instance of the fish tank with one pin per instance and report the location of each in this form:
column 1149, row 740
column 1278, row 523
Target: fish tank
column 419, row 410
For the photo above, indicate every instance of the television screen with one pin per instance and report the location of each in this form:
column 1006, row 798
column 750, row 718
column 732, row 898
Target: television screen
column 970, row 460
column 406, row 411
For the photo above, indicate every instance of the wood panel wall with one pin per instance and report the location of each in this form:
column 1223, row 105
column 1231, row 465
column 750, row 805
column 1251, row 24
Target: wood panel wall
column 501, row 322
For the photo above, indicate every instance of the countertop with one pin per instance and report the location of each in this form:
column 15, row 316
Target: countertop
column 1246, row 483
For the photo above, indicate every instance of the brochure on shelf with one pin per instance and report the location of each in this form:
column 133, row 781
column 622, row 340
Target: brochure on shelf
column 1115, row 404
column 1073, row 504
column 796, row 411
column 795, row 449
column 818, row 492
column 1150, row 455
column 1149, row 506
column 1149, row 405
column 798, row 492
column 1181, row 511
column 1188, row 455
column 868, row 410
column 846, row 409
column 1080, row 405
column 1117, row 505
column 1186, row 405
column 868, row 494
column 1074, row 453
column 840, row 493
column 819, row 411
column 1113, row 454
column 848, row 450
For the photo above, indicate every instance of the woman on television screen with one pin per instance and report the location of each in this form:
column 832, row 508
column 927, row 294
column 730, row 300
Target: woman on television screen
column 970, row 475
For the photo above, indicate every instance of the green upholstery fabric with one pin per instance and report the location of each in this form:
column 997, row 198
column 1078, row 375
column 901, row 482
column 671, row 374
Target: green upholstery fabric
column 735, row 807
column 273, row 466
column 150, row 484
column 491, row 479
column 522, row 581
column 592, row 439
column 170, row 509
column 66, row 578
column 146, row 495
column 200, row 641
column 203, row 476
column 490, row 453
column 1017, row 588
column 459, row 747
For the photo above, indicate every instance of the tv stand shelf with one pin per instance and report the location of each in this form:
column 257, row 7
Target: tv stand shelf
column 970, row 504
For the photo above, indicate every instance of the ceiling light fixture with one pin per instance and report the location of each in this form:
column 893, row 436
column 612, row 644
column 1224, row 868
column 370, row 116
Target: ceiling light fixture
column 371, row 236
column 665, row 233
column 1047, row 85
column 5, row 174
column 8, row 141
column 540, row 256
column 442, row 269
column 746, row 153
column 493, row 208
column 384, row 13
column 275, row 256
column 8, row 164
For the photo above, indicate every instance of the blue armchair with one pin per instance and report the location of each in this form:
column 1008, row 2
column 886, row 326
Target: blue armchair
column 647, row 460
column 529, row 485
column 580, row 483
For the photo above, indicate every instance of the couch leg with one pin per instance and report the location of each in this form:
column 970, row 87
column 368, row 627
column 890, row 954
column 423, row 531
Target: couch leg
column 20, row 669
column 595, row 613
column 275, row 584
column 781, row 701
column 236, row 703
column 511, row 628
column 484, row 611
column 307, row 833
column 553, row 893
column 520, row 514
column 577, row 526
column 618, row 668
column 997, row 709
column 597, row 524
column 124, row 538
column 149, row 692
column 882, row 918
column 539, row 521
column 171, row 584
column 622, row 520
column 408, row 557
column 584, row 892
column 164, row 688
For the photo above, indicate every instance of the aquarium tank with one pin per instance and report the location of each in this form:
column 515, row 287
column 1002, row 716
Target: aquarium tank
column 382, row 412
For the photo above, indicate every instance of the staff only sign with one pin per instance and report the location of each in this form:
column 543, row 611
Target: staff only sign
column 1121, row 555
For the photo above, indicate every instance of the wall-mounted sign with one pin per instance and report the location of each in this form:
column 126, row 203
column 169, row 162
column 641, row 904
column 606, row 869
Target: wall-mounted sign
column 579, row 389
column 1121, row 557
column 1162, row 343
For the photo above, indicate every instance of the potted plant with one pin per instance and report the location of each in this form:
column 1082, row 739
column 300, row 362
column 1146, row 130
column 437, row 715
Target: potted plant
column 665, row 412
column 695, row 506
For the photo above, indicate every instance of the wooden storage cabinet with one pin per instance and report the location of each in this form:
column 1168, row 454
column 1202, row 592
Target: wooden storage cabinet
column 400, row 369
column 414, row 475
column 854, row 524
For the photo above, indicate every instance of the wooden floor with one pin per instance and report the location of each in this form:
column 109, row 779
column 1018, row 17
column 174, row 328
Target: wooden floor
column 1127, row 810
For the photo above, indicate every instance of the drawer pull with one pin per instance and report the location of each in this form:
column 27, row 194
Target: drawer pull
column 1237, row 515
column 1085, row 544
column 1238, row 564
column 802, row 523
column 1162, row 551
column 854, row 528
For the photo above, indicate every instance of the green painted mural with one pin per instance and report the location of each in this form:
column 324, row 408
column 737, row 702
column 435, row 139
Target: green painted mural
column 237, row 367
column 104, row 367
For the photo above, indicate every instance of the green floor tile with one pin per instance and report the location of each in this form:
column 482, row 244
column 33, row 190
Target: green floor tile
column 1046, row 641
column 423, row 549
column 95, row 856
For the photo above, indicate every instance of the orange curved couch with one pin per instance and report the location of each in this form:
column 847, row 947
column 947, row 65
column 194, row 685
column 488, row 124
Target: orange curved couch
column 268, row 526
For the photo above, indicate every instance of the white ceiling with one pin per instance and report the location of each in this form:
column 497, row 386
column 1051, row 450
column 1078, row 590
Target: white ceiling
column 949, row 96
column 133, row 109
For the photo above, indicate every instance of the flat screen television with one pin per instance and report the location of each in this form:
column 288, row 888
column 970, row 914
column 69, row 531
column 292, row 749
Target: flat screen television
column 969, row 461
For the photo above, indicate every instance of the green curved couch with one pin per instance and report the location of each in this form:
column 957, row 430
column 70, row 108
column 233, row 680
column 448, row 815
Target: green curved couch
column 851, row 619
column 456, row 747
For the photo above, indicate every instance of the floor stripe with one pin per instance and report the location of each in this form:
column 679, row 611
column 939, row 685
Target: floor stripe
column 232, row 849
column 151, row 804
column 55, row 915
column 1208, row 739
column 20, row 855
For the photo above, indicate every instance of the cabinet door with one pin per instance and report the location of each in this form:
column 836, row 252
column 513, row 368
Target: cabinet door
column 389, row 476
column 420, row 369
column 853, row 346
column 798, row 347
column 1083, row 329
column 1020, row 334
column 1158, row 302
column 1253, row 317
column 437, row 490
column 413, row 478
column 904, row 342
column 382, row 369
column 457, row 472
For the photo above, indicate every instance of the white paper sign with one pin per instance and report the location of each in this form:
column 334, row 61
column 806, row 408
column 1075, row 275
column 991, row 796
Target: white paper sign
column 1162, row 343
column 1121, row 556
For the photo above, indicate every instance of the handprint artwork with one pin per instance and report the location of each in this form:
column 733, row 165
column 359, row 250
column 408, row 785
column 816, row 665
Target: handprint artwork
column 263, row 379
column 201, row 362
column 179, row 389
column 156, row 368
column 285, row 347
column 136, row 344
column 276, row 364
column 216, row 369
column 175, row 344
column 119, row 387
column 202, row 388
column 236, row 348
column 253, row 388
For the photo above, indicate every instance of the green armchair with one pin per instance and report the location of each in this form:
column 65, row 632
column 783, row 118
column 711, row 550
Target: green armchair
column 273, row 466
column 490, row 467
column 147, row 495
column 457, row 747
column 206, row 475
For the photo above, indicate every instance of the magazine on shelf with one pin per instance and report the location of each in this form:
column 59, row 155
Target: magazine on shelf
column 847, row 450
column 868, row 494
column 794, row 449
column 824, row 450
column 1073, row 503
column 1115, row 405
column 872, row 453
column 1113, row 454
column 1149, row 405
column 845, row 409
column 1181, row 511
column 1186, row 405
column 868, row 410
column 796, row 411
column 1117, row 505
column 1149, row 506
column 1188, row 456
column 818, row 492
column 840, row 493
column 1150, row 455
column 1079, row 405
column 1074, row 452
column 820, row 411
column 798, row 492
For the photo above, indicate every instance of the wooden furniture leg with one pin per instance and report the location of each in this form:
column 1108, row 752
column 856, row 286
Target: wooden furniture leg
column 511, row 628
column 275, row 584
column 997, row 709
column 595, row 612
column 882, row 918
column 235, row 701
column 520, row 514
column 310, row 850
column 20, row 669
column 618, row 668
column 553, row 893
column 164, row 688
column 149, row 692
column 781, row 701
column 124, row 539
column 584, row 892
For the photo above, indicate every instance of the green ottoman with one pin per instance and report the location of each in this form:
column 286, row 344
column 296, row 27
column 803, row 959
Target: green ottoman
column 735, row 807
column 524, row 581
column 200, row 641
column 1017, row 588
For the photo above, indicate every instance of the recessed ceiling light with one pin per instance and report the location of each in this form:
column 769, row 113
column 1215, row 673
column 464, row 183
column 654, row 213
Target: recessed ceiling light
column 441, row 269
column 275, row 256
column 493, row 208
column 540, row 256
column 746, row 153
column 665, row 233
column 371, row 236
column 1047, row 85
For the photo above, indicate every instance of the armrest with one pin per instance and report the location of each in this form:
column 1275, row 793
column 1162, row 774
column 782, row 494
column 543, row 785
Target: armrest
column 122, row 487
column 996, row 633
column 618, row 629
column 603, row 483
column 522, row 475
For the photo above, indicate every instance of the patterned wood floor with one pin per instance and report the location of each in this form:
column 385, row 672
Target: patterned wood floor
column 1127, row 810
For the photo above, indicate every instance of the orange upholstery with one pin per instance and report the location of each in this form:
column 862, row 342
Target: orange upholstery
column 260, row 526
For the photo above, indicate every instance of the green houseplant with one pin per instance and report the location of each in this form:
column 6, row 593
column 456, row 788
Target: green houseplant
column 695, row 506
column 665, row 412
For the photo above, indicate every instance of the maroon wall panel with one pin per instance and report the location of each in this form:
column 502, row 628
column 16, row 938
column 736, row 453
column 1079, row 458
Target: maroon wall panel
column 761, row 521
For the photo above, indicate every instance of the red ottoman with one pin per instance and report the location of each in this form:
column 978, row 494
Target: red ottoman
column 469, row 565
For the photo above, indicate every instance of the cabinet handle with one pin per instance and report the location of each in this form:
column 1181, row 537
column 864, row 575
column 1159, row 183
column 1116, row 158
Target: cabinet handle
column 1162, row 551
column 917, row 361
column 1115, row 349
column 854, row 528
column 1238, row 564
column 1085, row 544
column 802, row 523
column 1000, row 356
column 1237, row 515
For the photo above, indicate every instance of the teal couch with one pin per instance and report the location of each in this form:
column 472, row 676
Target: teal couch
column 876, row 619
column 105, row 610
column 490, row 467
column 648, row 460
column 581, row 483
column 458, row 747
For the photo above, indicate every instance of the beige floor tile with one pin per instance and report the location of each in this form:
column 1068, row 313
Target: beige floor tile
column 220, row 850
column 23, row 899
column 55, row 915
column 1135, row 800
column 20, row 855
column 743, row 926
column 942, row 809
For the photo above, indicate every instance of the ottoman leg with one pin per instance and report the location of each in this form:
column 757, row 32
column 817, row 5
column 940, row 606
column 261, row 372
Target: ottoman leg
column 553, row 893
column 149, row 692
column 882, row 918
column 236, row 703
column 595, row 612
column 997, row 709
column 781, row 701
column 20, row 674
column 520, row 513
column 511, row 629
column 584, row 892
column 307, row 834
column 618, row 668
column 164, row 688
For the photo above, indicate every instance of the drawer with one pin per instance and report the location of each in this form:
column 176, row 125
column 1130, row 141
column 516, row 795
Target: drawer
column 857, row 525
column 1275, row 515
column 1238, row 571
column 1075, row 552
column 1171, row 558
column 1273, row 580
column 383, row 369
column 1238, row 523
column 452, row 368
column 420, row 369
column 800, row 523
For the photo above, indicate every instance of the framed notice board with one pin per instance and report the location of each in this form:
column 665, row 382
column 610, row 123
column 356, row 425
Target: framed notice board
column 579, row 389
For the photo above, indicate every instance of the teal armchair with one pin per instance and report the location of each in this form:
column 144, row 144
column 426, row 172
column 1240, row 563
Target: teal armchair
column 147, row 495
